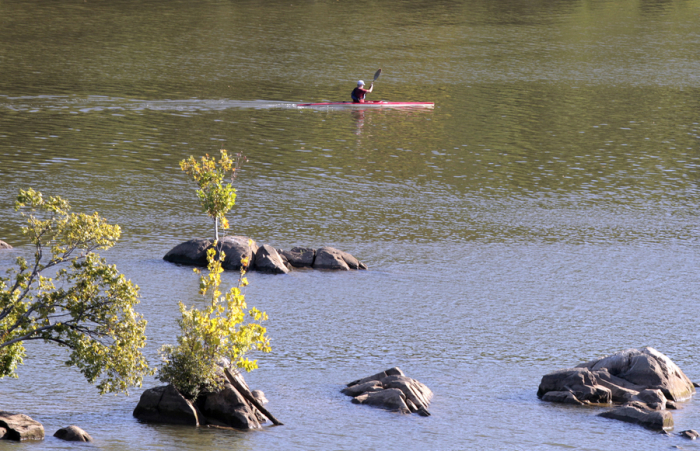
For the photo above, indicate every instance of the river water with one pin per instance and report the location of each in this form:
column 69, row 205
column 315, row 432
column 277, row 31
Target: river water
column 545, row 213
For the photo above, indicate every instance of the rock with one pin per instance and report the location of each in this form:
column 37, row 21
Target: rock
column 228, row 408
column 654, row 399
column 235, row 249
column 331, row 258
column 269, row 261
column 365, row 387
column 20, row 427
column 645, row 376
column 299, row 257
column 581, row 382
column 647, row 368
column 391, row 399
column 4, row 245
column 73, row 434
column 379, row 390
column 260, row 396
column 166, row 405
column 689, row 434
column 416, row 392
column 657, row 420
column 396, row 371
column 192, row 252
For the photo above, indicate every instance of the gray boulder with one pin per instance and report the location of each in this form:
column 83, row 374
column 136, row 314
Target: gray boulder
column 228, row 407
column 658, row 420
column 235, row 249
column 643, row 375
column 73, row 434
column 299, row 257
column 581, row 382
column 4, row 245
column 192, row 252
column 20, row 427
column 269, row 261
column 391, row 399
column 331, row 258
column 380, row 390
column 166, row 405
column 647, row 368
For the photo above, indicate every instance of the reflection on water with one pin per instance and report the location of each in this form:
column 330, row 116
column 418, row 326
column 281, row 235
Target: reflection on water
column 543, row 214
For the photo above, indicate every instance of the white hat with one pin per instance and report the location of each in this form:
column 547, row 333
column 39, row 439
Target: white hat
column 360, row 83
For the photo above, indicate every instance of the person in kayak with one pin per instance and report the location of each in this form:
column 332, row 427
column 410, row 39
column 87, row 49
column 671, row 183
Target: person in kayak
column 358, row 94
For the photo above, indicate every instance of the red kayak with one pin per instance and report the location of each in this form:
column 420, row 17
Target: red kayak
column 368, row 104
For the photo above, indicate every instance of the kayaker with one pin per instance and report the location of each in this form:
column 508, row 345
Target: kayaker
column 358, row 94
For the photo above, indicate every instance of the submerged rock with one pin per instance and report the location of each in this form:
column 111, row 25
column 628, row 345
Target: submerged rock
column 73, row 434
column 20, row 427
column 657, row 420
column 4, row 245
column 391, row 390
column 689, row 434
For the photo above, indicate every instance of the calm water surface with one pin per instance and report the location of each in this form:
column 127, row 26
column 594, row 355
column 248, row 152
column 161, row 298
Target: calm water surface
column 543, row 214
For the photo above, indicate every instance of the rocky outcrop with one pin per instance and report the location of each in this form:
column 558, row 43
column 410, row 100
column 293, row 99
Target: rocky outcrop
column 263, row 258
column 4, row 245
column 20, row 427
column 165, row 405
column 227, row 407
column 267, row 260
column 643, row 383
column 73, row 434
column 391, row 390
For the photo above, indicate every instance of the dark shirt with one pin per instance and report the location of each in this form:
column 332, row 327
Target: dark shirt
column 358, row 95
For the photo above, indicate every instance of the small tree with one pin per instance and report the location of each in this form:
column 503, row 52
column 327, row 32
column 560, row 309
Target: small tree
column 219, row 332
column 216, row 334
column 87, row 306
column 216, row 196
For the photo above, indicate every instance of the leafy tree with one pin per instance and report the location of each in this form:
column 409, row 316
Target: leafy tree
column 216, row 196
column 87, row 306
column 214, row 335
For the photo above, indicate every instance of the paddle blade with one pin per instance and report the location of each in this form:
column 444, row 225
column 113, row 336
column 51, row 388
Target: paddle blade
column 377, row 74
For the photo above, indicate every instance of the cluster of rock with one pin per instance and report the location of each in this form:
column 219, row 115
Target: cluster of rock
column 20, row 427
column 263, row 258
column 4, row 245
column 391, row 390
column 229, row 407
column 642, row 384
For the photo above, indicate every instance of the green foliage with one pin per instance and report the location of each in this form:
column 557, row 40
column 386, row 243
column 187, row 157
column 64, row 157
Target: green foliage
column 87, row 306
column 216, row 196
column 214, row 335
